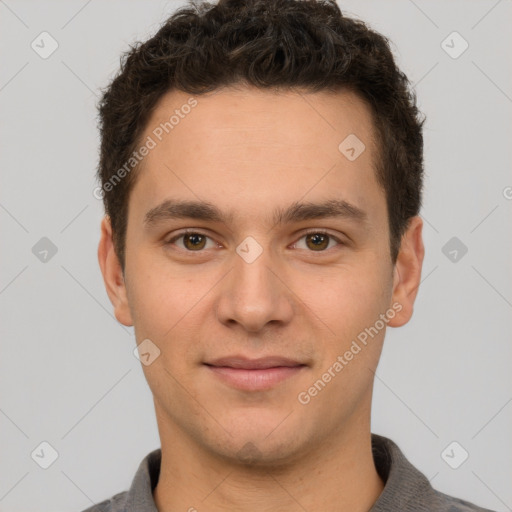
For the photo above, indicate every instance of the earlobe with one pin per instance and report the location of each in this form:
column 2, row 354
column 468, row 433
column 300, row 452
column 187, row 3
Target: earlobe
column 407, row 272
column 113, row 274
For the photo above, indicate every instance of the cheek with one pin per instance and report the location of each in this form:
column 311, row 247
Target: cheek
column 159, row 296
column 348, row 302
column 345, row 295
column 169, row 308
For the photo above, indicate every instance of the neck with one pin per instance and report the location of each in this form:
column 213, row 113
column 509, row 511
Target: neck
column 340, row 476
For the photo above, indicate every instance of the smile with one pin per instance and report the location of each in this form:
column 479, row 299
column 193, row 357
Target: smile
column 256, row 374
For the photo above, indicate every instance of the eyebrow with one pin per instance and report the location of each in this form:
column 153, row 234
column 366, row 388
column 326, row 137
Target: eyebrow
column 296, row 212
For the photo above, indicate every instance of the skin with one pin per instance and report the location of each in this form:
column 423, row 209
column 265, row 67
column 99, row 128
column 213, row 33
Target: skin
column 249, row 151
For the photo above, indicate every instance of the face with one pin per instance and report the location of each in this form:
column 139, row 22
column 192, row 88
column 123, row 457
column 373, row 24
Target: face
column 270, row 311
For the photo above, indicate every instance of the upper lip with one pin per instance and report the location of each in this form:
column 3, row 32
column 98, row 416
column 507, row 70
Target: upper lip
column 254, row 364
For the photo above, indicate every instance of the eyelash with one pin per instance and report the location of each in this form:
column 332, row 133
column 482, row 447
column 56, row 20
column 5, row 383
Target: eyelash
column 310, row 232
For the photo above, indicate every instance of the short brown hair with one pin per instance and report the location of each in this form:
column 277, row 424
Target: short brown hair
column 301, row 44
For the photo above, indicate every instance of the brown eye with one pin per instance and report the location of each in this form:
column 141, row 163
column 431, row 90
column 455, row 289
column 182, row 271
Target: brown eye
column 194, row 241
column 317, row 241
column 191, row 241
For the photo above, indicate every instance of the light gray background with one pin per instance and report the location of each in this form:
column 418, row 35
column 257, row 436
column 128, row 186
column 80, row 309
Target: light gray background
column 68, row 373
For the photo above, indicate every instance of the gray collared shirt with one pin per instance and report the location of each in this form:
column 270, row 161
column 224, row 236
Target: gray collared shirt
column 405, row 489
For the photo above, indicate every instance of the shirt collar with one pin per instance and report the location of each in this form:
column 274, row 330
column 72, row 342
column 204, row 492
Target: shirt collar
column 404, row 485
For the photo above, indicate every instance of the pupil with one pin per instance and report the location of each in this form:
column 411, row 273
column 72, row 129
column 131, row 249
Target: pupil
column 318, row 240
column 194, row 240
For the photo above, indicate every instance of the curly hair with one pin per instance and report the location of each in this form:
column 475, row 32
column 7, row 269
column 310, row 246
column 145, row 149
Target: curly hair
column 301, row 44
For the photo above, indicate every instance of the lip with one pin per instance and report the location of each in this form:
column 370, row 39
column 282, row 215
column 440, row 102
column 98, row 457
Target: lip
column 261, row 363
column 254, row 374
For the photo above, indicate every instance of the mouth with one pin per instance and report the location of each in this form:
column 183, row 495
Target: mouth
column 254, row 374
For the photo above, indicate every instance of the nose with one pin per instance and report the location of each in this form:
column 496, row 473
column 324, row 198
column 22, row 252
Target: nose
column 255, row 293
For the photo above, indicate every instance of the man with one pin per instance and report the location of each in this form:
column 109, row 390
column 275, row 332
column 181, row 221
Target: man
column 261, row 169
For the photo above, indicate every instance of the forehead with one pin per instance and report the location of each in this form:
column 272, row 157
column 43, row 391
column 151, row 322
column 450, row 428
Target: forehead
column 251, row 150
column 260, row 116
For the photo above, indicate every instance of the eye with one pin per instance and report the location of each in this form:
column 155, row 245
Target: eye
column 319, row 241
column 193, row 241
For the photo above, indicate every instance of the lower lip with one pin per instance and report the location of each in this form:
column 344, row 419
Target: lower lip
column 255, row 380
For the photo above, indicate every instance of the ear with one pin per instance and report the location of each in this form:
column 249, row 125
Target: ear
column 112, row 274
column 407, row 272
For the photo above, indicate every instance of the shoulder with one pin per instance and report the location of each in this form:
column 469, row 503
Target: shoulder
column 406, row 488
column 114, row 504
column 138, row 498
column 452, row 504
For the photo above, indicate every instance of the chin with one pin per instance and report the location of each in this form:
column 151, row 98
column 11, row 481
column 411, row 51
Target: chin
column 261, row 446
